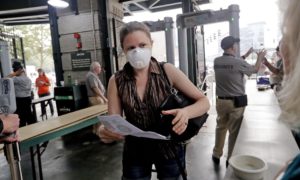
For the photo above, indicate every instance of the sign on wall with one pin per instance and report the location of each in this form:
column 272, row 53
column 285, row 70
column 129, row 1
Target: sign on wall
column 81, row 60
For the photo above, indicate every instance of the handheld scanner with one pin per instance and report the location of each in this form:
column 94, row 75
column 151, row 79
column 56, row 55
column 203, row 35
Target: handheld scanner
column 7, row 96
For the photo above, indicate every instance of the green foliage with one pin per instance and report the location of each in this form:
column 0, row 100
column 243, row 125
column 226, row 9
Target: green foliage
column 37, row 44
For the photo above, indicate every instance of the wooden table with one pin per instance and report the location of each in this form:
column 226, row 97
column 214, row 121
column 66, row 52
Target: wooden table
column 39, row 100
column 33, row 135
column 264, row 136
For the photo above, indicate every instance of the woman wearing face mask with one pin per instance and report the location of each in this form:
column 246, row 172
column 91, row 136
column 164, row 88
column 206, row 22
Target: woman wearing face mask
column 289, row 99
column 138, row 90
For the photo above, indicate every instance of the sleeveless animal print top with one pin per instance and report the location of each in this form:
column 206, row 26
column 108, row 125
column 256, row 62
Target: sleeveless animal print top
column 144, row 114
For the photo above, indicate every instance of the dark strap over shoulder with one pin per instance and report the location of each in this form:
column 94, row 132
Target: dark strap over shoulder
column 161, row 64
column 181, row 168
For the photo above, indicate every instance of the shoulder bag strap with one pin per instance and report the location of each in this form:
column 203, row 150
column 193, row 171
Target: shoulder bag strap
column 161, row 65
column 173, row 91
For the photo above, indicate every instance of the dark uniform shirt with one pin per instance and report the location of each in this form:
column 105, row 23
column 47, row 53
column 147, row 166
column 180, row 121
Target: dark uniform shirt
column 229, row 73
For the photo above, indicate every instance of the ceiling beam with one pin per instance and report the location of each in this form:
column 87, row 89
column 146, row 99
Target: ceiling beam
column 19, row 4
column 25, row 17
column 127, row 10
column 24, row 10
column 152, row 3
column 24, row 22
column 141, row 6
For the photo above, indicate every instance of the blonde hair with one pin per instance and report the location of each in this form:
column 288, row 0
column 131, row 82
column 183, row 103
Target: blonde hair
column 132, row 27
column 289, row 96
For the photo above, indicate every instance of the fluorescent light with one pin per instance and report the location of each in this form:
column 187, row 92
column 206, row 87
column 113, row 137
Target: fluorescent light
column 58, row 3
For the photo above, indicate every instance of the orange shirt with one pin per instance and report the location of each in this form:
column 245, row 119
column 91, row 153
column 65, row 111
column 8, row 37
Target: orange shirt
column 40, row 84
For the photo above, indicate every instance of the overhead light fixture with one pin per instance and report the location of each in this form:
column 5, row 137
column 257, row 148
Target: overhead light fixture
column 58, row 3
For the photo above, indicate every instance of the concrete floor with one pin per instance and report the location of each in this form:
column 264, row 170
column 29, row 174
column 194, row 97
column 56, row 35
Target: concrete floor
column 82, row 156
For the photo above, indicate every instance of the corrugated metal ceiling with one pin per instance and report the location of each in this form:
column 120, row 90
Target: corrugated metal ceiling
column 15, row 12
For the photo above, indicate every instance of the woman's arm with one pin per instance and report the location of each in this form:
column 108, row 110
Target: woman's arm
column 114, row 103
column 47, row 83
column 114, row 107
column 99, row 93
column 184, row 85
column 17, row 73
column 271, row 67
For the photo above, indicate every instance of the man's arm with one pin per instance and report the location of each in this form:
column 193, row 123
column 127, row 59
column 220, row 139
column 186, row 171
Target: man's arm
column 92, row 81
column 271, row 67
column 260, row 57
column 99, row 93
column 247, row 53
column 47, row 83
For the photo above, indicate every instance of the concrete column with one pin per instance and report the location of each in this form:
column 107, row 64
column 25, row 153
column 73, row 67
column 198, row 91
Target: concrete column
column 5, row 60
column 234, row 26
column 182, row 50
column 187, row 7
column 169, row 40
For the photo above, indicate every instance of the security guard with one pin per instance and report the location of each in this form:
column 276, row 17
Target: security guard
column 230, row 91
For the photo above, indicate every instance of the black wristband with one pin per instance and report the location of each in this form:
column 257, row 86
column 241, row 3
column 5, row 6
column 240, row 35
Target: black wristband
column 243, row 57
column 1, row 126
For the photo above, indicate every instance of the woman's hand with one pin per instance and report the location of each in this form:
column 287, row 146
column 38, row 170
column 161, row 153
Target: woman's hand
column 180, row 121
column 19, row 72
column 108, row 136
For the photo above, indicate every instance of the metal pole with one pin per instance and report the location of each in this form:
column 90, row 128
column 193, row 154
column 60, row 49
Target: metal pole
column 182, row 50
column 169, row 39
column 204, row 59
column 234, row 27
column 32, row 163
column 187, row 7
column 115, row 49
column 4, row 59
column 55, row 45
column 15, row 48
column 13, row 159
column 22, row 51
column 105, row 37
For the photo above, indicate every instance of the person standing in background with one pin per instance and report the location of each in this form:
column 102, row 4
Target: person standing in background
column 277, row 76
column 230, row 90
column 95, row 90
column 42, row 83
column 23, row 94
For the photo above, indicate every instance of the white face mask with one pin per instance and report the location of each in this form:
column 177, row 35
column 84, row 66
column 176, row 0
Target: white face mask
column 139, row 58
